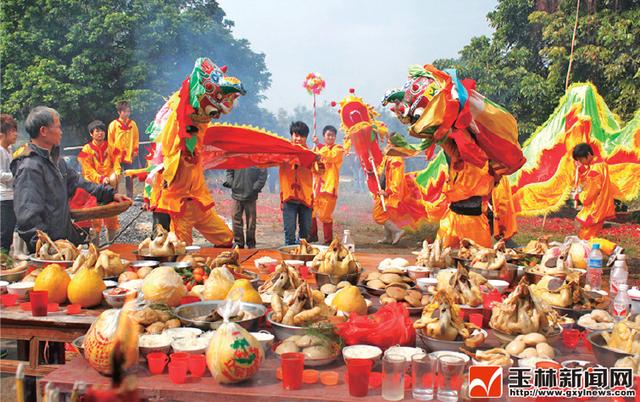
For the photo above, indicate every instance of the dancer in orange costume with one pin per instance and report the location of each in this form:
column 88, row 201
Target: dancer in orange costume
column 595, row 192
column 326, row 184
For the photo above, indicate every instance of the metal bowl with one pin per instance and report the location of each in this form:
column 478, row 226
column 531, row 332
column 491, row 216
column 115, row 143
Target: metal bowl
column 143, row 263
column 188, row 312
column 285, row 253
column 605, row 355
column 507, row 273
column 436, row 345
column 323, row 279
column 178, row 265
column 572, row 313
column 282, row 331
column 41, row 263
column 146, row 256
column 14, row 276
column 506, row 338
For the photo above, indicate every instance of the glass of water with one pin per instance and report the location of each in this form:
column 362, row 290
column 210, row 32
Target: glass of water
column 450, row 370
column 393, row 368
column 423, row 370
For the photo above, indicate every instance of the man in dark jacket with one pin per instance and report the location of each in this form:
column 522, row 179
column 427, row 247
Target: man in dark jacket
column 43, row 183
column 245, row 184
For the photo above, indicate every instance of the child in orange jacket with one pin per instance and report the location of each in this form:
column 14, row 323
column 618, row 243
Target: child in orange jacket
column 101, row 165
column 124, row 138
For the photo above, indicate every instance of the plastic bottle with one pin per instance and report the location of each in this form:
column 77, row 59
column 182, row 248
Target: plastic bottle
column 621, row 304
column 594, row 268
column 619, row 275
column 347, row 241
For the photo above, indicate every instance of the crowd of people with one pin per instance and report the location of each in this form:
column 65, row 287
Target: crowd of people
column 38, row 189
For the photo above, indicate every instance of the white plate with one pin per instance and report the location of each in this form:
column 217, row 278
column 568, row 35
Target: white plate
column 192, row 249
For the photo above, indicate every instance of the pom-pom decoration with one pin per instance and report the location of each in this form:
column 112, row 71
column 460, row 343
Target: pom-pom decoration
column 314, row 84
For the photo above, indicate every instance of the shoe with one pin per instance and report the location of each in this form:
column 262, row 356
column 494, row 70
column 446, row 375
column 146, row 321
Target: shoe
column 395, row 233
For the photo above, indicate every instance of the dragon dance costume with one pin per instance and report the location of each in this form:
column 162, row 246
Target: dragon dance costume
column 326, row 187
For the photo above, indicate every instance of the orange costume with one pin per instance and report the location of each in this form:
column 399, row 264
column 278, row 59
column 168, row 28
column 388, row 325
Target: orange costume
column 465, row 180
column 183, row 193
column 100, row 161
column 296, row 184
column 326, row 189
column 504, row 214
column 124, row 137
column 391, row 174
column 596, row 198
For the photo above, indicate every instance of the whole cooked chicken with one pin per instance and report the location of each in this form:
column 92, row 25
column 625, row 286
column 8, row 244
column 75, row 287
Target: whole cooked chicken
column 568, row 293
column 522, row 312
column 441, row 320
column 336, row 260
column 59, row 250
column 304, row 248
column 307, row 306
column 163, row 244
column 433, row 255
column 538, row 246
column 625, row 336
column 284, row 278
column 462, row 286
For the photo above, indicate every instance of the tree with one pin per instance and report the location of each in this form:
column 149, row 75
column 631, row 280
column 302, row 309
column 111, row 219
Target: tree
column 80, row 57
column 523, row 65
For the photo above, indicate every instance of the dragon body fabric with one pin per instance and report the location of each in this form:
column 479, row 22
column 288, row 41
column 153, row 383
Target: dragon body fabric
column 479, row 140
column 546, row 180
column 421, row 200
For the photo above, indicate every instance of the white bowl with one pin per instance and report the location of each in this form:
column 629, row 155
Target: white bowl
column 265, row 338
column 406, row 351
column 190, row 345
column 266, row 264
column 500, row 285
column 21, row 289
column 437, row 354
column 117, row 301
column 362, row 352
column 416, row 272
column 425, row 283
column 149, row 343
column 184, row 332
column 110, row 284
column 3, row 287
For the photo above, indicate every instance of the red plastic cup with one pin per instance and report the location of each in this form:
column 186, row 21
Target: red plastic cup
column 197, row 365
column 178, row 372
column 9, row 300
column 53, row 307
column 39, row 301
column 180, row 357
column 74, row 309
column 570, row 338
column 156, row 362
column 476, row 319
column 189, row 299
column 292, row 367
column 358, row 379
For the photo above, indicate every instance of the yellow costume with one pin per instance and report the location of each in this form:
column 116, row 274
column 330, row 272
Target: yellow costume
column 504, row 214
column 183, row 192
column 98, row 162
column 124, row 137
column 326, row 190
column 464, row 181
column 391, row 172
column 296, row 184
column 596, row 198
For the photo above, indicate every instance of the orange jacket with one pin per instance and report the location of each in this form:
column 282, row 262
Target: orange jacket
column 99, row 161
column 392, row 168
column 328, row 182
column 597, row 194
column 296, row 183
column 465, row 180
column 124, row 138
column 504, row 213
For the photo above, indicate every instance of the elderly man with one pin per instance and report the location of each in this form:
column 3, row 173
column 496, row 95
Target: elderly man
column 43, row 184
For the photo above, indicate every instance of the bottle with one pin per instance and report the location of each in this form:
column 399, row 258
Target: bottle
column 347, row 241
column 621, row 304
column 594, row 268
column 619, row 275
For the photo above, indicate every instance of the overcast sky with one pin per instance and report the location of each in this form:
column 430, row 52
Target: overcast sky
column 364, row 44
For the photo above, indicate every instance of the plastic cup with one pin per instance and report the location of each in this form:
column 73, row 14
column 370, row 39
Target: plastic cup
column 329, row 378
column 178, row 372
column 476, row 319
column 53, row 307
column 450, row 368
column 156, row 362
column 292, row 366
column 74, row 309
column 358, row 379
column 189, row 299
column 9, row 300
column 310, row 376
column 39, row 301
column 423, row 371
column 197, row 365
column 180, row 356
column 393, row 371
column 570, row 338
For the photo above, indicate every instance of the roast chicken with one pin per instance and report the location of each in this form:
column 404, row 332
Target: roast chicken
column 163, row 244
column 59, row 250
